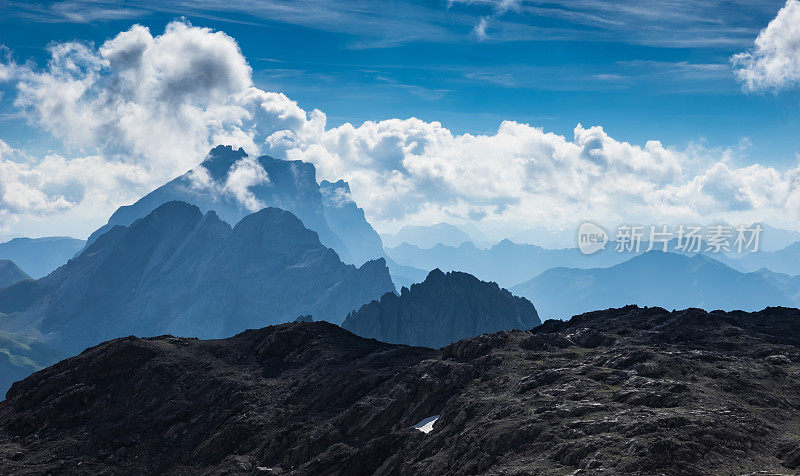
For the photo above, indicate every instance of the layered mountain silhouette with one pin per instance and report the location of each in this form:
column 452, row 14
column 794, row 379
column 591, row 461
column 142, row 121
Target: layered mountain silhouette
column 291, row 185
column 775, row 239
column 785, row 260
column 442, row 309
column 625, row 391
column 668, row 280
column 10, row 273
column 38, row 257
column 181, row 272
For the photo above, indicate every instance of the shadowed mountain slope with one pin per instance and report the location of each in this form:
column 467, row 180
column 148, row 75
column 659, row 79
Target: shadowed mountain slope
column 326, row 208
column 179, row 271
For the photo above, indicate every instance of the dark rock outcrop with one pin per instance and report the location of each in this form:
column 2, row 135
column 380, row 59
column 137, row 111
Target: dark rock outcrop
column 442, row 309
column 181, row 272
column 625, row 391
column 10, row 273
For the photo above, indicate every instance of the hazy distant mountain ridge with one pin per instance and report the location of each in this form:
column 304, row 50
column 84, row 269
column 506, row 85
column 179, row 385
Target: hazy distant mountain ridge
column 348, row 222
column 38, row 257
column 785, row 260
column 326, row 208
column 669, row 280
column 442, row 309
column 506, row 263
column 427, row 236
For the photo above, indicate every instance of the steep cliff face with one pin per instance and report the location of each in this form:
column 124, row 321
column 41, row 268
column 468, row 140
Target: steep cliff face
column 179, row 271
column 625, row 391
column 347, row 220
column 442, row 309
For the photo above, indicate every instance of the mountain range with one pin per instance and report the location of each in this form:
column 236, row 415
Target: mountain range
column 427, row 236
column 785, row 260
column 182, row 272
column 625, row 391
column 506, row 263
column 38, row 257
column 669, row 280
column 440, row 310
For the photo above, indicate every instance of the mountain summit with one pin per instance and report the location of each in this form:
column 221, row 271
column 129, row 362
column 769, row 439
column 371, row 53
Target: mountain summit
column 442, row 309
column 218, row 184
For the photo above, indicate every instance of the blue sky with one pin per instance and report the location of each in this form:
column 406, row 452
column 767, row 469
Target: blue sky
column 655, row 71
column 684, row 114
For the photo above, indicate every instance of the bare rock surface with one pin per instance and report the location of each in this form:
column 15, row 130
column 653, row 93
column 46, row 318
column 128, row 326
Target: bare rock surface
column 624, row 391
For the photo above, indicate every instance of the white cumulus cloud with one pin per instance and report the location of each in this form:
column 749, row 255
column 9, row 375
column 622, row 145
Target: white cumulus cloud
column 55, row 184
column 404, row 171
column 150, row 104
column 140, row 109
column 774, row 61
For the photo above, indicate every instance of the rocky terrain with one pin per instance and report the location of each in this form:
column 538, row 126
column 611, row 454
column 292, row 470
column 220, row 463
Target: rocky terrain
column 626, row 391
column 440, row 310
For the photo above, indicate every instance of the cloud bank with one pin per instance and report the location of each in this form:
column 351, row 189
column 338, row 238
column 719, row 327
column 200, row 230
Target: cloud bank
column 140, row 109
column 774, row 61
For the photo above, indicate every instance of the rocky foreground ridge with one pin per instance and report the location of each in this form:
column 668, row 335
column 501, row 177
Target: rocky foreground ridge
column 625, row 391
